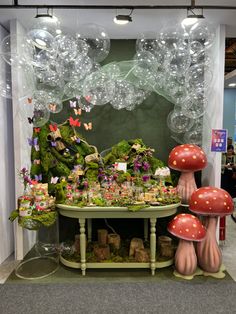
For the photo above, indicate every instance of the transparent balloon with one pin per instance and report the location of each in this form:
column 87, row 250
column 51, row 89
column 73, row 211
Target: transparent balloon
column 112, row 70
column 82, row 66
column 193, row 137
column 97, row 39
column 124, row 95
column 194, row 106
column 179, row 60
column 198, row 76
column 196, row 48
column 203, row 32
column 67, row 48
column 73, row 89
column 202, row 58
column 84, row 104
column 51, row 78
column 40, row 115
column 171, row 37
column 82, row 47
column 6, row 86
column 98, row 88
column 55, row 106
column 43, row 59
column 177, row 121
column 175, row 86
column 147, row 41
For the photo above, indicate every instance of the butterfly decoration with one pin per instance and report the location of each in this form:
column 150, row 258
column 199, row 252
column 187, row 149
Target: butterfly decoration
column 37, row 130
column 53, row 144
column 88, row 98
column 77, row 111
column 53, row 127
column 75, row 122
column 75, row 139
column 73, row 104
column 38, row 177
column 38, row 113
column 37, row 161
column 31, row 120
column 34, row 143
column 54, row 180
column 29, row 100
column 52, row 107
column 88, row 126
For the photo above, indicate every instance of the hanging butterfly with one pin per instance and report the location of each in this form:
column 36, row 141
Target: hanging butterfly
column 88, row 126
column 73, row 104
column 37, row 130
column 31, row 120
column 37, row 161
column 52, row 107
column 87, row 98
column 53, row 144
column 75, row 139
column 77, row 111
column 53, row 127
column 38, row 177
column 34, row 143
column 29, row 100
column 54, row 180
column 78, row 97
column 75, row 122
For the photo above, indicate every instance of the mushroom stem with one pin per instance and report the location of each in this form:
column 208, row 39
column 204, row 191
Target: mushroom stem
column 186, row 186
column 208, row 251
column 185, row 258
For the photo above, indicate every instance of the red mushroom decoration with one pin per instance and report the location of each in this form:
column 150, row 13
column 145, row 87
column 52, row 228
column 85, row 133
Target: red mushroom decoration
column 213, row 203
column 187, row 158
column 187, row 228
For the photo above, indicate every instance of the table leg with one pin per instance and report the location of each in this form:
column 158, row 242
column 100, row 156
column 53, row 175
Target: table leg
column 153, row 244
column 145, row 222
column 82, row 246
column 89, row 226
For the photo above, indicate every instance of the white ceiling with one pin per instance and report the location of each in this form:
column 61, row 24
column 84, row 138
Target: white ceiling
column 143, row 20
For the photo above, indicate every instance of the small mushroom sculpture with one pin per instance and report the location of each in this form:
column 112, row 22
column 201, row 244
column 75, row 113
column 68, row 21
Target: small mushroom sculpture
column 187, row 228
column 187, row 158
column 212, row 203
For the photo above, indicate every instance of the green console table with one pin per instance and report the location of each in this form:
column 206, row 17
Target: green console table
column 148, row 213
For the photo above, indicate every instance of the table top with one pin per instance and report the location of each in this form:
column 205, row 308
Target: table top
column 117, row 212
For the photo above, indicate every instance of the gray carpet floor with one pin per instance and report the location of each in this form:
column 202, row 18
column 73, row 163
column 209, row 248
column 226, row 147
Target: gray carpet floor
column 128, row 298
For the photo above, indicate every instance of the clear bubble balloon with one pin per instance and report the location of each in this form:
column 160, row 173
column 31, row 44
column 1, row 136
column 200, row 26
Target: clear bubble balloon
column 198, row 76
column 82, row 66
column 202, row 32
column 42, row 59
column 98, row 88
column 97, row 39
column 193, row 137
column 147, row 41
column 51, row 78
column 84, row 104
column 40, row 114
column 175, row 86
column 195, row 48
column 112, row 70
column 177, row 121
column 171, row 37
column 82, row 47
column 124, row 95
column 179, row 60
column 55, row 105
column 67, row 48
column 6, row 87
column 194, row 106
column 202, row 58
column 73, row 89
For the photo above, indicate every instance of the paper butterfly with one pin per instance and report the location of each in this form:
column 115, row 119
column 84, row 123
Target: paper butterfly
column 38, row 177
column 37, row 130
column 53, row 127
column 87, row 98
column 75, row 139
column 52, row 107
column 29, row 100
column 74, row 122
column 54, row 180
column 31, row 120
column 73, row 104
column 53, row 144
column 88, row 126
column 77, row 111
column 37, row 161
column 34, row 143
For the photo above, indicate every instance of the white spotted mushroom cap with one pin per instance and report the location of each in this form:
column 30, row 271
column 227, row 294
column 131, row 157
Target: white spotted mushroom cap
column 187, row 227
column 211, row 201
column 187, row 157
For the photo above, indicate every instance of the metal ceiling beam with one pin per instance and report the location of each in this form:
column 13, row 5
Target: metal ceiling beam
column 113, row 7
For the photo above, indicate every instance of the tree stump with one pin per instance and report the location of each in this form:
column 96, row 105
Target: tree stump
column 142, row 255
column 114, row 240
column 102, row 252
column 135, row 244
column 166, row 248
column 102, row 236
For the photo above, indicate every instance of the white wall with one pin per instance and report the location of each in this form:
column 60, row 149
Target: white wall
column 7, row 184
column 22, row 130
column 213, row 119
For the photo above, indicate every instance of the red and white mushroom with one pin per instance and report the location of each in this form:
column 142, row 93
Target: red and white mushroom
column 187, row 228
column 211, row 202
column 187, row 158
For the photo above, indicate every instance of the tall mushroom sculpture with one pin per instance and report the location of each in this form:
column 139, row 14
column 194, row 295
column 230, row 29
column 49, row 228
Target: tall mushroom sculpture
column 187, row 228
column 211, row 202
column 187, row 158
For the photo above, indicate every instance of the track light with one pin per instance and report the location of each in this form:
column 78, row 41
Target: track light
column 193, row 14
column 123, row 19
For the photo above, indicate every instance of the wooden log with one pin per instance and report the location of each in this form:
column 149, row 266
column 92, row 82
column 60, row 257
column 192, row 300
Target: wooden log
column 142, row 255
column 135, row 244
column 102, row 236
column 165, row 246
column 102, row 252
column 114, row 240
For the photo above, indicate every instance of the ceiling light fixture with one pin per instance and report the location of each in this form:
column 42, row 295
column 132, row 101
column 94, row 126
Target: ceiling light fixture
column 232, row 85
column 193, row 14
column 122, row 19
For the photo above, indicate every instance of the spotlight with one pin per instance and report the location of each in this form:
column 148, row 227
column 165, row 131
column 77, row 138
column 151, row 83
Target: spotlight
column 193, row 15
column 123, row 19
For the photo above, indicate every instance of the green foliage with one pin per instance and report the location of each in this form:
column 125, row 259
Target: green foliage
column 92, row 165
column 98, row 201
column 92, row 175
column 14, row 215
column 123, row 176
column 121, row 149
column 60, row 192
